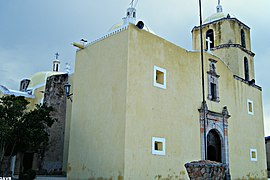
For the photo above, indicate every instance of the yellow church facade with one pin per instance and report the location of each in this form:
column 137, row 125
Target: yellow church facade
column 137, row 105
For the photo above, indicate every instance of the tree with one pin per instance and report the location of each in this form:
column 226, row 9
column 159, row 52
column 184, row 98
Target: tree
column 22, row 129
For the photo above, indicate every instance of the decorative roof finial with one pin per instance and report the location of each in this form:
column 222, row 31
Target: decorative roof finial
column 133, row 4
column 56, row 63
column 219, row 7
column 131, row 13
column 68, row 69
column 56, row 55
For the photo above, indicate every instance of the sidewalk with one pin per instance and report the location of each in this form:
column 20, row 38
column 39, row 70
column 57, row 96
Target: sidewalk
column 51, row 178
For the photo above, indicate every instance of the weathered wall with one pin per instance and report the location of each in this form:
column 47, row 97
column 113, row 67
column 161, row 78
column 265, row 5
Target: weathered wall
column 234, row 58
column 97, row 132
column 55, row 97
column 154, row 112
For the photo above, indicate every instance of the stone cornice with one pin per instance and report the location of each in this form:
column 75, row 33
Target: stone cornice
column 250, row 83
column 235, row 46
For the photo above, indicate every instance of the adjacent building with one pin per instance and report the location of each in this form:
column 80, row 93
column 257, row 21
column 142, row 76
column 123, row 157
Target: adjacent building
column 45, row 87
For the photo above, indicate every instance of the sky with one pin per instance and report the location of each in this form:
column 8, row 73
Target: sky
column 32, row 31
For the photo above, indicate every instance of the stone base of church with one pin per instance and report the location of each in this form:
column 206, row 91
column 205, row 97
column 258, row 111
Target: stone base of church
column 206, row 169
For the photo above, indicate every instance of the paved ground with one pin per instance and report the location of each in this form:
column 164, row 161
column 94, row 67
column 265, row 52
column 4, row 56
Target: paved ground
column 50, row 178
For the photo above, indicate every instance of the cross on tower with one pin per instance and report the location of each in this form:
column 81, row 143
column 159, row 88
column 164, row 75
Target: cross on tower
column 208, row 41
column 133, row 3
column 56, row 55
column 219, row 7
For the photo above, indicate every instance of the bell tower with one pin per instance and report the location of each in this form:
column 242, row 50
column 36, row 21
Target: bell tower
column 229, row 39
column 131, row 13
column 56, row 63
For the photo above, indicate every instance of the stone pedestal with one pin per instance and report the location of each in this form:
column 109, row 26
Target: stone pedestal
column 206, row 170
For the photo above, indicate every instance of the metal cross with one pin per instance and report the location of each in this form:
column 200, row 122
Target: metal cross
column 208, row 43
column 133, row 3
column 56, row 55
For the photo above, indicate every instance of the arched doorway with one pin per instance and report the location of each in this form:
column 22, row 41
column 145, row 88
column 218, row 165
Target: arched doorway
column 213, row 146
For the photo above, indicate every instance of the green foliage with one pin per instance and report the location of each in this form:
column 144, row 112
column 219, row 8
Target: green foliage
column 20, row 129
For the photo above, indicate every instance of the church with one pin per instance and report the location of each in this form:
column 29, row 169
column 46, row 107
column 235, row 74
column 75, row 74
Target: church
column 134, row 108
column 137, row 109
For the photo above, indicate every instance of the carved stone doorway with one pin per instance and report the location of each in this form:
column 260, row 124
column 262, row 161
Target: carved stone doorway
column 213, row 146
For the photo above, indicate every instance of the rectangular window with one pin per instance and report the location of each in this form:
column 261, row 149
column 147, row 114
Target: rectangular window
column 213, row 91
column 250, row 107
column 159, row 77
column 158, row 146
column 253, row 154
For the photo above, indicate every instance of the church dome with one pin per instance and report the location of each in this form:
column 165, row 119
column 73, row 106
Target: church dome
column 214, row 17
column 39, row 79
column 217, row 16
column 116, row 26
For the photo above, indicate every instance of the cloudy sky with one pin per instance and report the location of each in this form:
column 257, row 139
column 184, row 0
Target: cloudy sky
column 32, row 31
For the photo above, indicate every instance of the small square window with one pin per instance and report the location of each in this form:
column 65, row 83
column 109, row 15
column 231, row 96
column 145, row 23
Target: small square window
column 253, row 154
column 250, row 107
column 159, row 77
column 158, row 146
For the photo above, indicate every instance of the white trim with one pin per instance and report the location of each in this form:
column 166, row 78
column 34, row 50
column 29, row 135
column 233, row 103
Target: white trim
column 250, row 112
column 155, row 83
column 251, row 158
column 163, row 141
column 42, row 101
column 7, row 91
column 111, row 33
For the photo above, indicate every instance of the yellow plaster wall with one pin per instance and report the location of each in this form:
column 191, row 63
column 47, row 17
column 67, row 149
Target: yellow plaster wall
column 173, row 113
column 67, row 124
column 39, row 94
column 245, row 131
column 155, row 112
column 234, row 58
column 98, row 110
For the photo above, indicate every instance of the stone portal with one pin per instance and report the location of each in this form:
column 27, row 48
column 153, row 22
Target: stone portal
column 215, row 126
